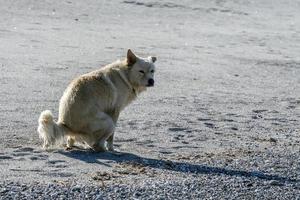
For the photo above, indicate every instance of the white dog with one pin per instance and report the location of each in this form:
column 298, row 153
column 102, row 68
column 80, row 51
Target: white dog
column 91, row 104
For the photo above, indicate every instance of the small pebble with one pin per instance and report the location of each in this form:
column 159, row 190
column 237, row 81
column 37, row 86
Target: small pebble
column 276, row 183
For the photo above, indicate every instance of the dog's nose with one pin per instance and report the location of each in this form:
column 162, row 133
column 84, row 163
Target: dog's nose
column 150, row 82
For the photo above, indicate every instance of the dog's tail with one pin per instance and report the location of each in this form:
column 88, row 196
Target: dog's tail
column 50, row 131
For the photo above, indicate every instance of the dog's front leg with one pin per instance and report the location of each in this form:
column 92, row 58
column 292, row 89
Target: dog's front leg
column 110, row 143
column 110, row 140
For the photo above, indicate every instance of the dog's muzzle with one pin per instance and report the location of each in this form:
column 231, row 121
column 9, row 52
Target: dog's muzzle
column 150, row 82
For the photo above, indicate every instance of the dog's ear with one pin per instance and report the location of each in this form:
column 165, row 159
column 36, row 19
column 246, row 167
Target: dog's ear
column 131, row 58
column 152, row 58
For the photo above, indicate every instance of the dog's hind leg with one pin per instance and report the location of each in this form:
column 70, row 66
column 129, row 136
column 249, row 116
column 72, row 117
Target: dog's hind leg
column 100, row 129
column 99, row 146
column 110, row 143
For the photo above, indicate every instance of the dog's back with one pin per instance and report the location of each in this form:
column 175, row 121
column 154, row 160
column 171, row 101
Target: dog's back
column 85, row 96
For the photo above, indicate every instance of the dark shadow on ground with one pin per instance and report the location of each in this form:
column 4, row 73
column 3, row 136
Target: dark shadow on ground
column 185, row 167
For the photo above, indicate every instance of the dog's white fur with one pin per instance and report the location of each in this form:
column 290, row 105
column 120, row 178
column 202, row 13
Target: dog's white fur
column 91, row 104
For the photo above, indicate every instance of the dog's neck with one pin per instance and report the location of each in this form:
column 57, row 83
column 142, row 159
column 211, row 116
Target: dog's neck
column 124, row 77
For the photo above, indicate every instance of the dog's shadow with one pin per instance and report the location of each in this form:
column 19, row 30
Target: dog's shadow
column 184, row 167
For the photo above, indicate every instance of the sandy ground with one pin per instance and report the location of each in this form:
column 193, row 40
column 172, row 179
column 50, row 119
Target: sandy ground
column 226, row 105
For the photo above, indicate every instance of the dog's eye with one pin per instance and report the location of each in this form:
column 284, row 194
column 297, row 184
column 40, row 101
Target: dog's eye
column 152, row 71
column 142, row 72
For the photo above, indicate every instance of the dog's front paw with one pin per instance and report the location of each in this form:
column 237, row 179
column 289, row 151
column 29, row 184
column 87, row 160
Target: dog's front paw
column 110, row 148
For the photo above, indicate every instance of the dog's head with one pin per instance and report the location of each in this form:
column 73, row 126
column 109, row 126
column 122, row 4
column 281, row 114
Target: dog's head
column 141, row 73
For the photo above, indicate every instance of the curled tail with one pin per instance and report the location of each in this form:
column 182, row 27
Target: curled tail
column 50, row 131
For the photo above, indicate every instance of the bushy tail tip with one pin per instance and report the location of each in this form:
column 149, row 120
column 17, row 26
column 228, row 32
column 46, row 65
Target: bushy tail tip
column 49, row 131
column 46, row 117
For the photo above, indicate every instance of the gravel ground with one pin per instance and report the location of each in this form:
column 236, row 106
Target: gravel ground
column 189, row 188
column 222, row 121
column 219, row 177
